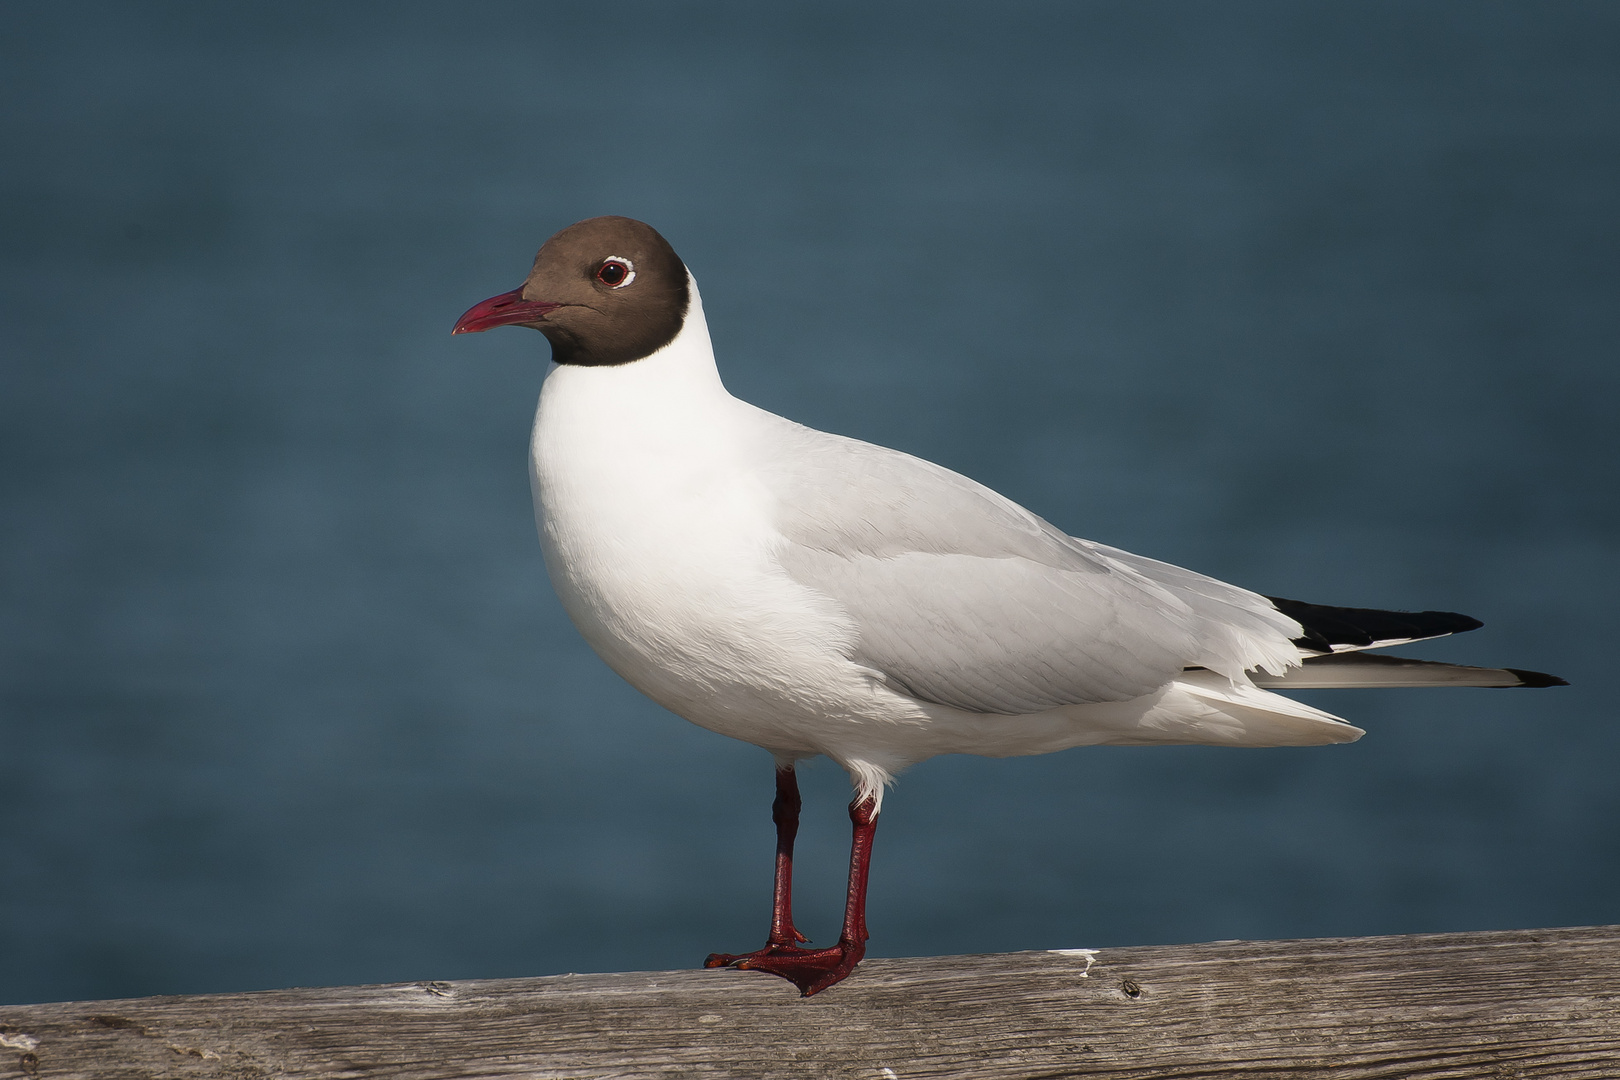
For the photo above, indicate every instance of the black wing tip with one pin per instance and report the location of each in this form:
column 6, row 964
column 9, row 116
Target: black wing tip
column 1537, row 679
column 1326, row 626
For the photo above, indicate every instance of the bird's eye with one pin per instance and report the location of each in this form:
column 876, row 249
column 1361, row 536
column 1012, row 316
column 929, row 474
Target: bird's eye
column 616, row 273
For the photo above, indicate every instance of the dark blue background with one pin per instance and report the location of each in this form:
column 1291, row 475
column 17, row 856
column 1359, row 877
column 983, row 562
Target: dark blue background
column 1319, row 298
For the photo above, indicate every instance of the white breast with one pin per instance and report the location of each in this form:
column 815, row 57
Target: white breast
column 658, row 539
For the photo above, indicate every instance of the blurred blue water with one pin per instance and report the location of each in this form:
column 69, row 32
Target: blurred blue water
column 1319, row 298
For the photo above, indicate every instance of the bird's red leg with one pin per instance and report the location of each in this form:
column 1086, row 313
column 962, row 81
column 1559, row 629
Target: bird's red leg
column 785, row 813
column 813, row 970
column 784, row 937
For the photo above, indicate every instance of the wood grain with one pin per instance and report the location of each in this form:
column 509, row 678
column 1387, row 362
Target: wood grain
column 1516, row 1005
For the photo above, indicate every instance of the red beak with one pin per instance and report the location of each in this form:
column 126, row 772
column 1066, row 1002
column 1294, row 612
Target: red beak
column 503, row 310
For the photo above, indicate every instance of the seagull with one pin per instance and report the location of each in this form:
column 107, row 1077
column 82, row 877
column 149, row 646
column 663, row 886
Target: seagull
column 813, row 594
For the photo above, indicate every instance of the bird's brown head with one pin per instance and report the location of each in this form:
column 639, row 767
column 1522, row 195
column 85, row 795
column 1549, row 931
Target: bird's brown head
column 608, row 290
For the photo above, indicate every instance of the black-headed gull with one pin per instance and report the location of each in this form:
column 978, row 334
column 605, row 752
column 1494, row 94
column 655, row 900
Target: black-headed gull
column 813, row 594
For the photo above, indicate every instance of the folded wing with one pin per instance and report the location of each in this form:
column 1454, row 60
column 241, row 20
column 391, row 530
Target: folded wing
column 963, row 598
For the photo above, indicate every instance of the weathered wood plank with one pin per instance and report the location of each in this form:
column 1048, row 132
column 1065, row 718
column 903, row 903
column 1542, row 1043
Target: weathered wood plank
column 1519, row 1005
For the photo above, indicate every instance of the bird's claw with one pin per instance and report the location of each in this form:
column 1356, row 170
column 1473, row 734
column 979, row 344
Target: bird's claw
column 775, row 948
column 811, row 970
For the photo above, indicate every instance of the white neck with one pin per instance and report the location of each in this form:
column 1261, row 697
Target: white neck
column 648, row 422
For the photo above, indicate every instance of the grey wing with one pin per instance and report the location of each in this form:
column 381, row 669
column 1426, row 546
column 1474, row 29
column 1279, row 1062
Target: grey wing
column 964, row 598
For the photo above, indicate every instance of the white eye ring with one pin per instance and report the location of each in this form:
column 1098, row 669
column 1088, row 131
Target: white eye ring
column 620, row 260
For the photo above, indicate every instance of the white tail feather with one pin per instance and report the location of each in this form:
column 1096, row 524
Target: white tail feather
column 1356, row 670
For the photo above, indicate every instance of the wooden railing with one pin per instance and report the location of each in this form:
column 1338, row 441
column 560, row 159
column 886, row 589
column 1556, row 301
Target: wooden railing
column 1517, row 1005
